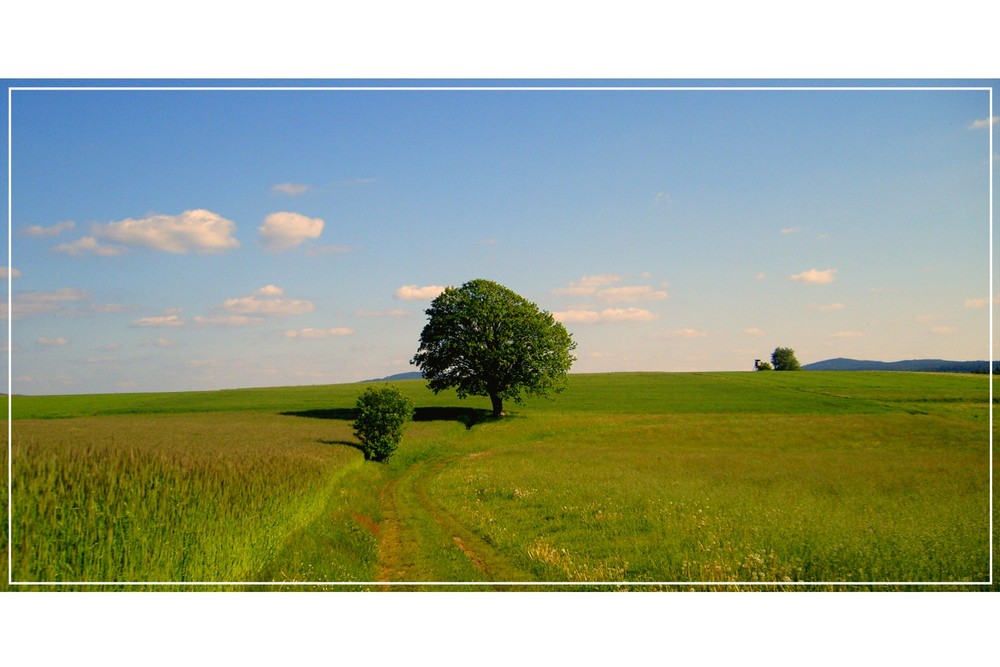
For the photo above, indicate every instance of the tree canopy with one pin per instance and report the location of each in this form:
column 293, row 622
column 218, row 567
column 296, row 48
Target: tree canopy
column 783, row 359
column 383, row 413
column 482, row 339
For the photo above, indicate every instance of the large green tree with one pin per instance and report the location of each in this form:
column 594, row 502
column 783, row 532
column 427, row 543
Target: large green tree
column 483, row 339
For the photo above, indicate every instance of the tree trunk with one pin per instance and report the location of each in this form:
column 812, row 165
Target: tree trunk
column 497, row 405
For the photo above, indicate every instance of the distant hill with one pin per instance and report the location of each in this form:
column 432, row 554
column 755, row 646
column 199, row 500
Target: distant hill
column 912, row 365
column 412, row 375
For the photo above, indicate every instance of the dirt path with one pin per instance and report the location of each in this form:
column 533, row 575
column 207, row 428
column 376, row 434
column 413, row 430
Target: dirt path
column 419, row 541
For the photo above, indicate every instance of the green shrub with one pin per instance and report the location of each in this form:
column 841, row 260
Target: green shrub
column 382, row 416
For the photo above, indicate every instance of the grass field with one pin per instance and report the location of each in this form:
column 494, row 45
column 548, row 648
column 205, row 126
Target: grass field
column 828, row 480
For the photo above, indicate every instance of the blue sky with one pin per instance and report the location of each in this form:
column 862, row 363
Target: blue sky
column 201, row 239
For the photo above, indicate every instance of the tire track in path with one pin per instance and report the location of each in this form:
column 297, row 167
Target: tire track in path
column 421, row 542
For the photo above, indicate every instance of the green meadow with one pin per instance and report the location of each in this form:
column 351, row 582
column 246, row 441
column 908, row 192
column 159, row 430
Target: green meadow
column 634, row 481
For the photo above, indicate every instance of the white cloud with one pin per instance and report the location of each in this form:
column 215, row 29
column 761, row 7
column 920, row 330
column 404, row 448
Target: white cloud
column 227, row 321
column 683, row 333
column 946, row 330
column 283, row 230
column 760, row 276
column 415, row 293
column 815, row 276
column 606, row 315
column 631, row 294
column 980, row 303
column 270, row 290
column 627, row 315
column 982, row 123
column 392, row 312
column 588, row 285
column 89, row 245
column 754, row 331
column 292, row 189
column 6, row 273
column 312, row 333
column 847, row 334
column 195, row 230
column 36, row 303
column 58, row 228
column 793, row 230
column 52, row 342
column 661, row 196
column 573, row 316
column 169, row 320
column 263, row 304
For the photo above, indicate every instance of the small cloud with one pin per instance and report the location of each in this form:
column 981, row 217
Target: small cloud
column 576, row 316
column 980, row 303
column 415, row 293
column 606, row 315
column 227, row 321
column 283, row 230
column 169, row 320
column 683, row 333
column 847, row 334
column 106, row 359
column 754, row 331
column 815, row 276
column 794, row 230
column 944, row 330
column 662, row 195
column 89, row 245
column 982, row 123
column 58, row 228
column 392, row 312
column 109, row 308
column 630, row 294
column 52, row 342
column 37, row 303
column 196, row 230
column 311, row 333
column 627, row 315
column 588, row 285
column 6, row 273
column 266, row 301
column 760, row 276
column 292, row 189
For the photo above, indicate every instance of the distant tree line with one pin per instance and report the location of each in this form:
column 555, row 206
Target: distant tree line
column 782, row 359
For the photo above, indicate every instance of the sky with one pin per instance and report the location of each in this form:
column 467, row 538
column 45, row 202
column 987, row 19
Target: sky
column 188, row 239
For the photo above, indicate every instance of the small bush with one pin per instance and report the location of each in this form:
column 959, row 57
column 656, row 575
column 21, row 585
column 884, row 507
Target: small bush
column 382, row 416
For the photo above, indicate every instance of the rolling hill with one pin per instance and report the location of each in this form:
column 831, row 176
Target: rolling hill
column 912, row 365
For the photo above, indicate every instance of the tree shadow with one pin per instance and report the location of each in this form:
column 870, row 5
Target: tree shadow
column 345, row 443
column 345, row 414
column 468, row 416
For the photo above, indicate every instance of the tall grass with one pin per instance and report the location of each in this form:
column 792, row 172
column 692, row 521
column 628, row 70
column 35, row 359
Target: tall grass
column 163, row 499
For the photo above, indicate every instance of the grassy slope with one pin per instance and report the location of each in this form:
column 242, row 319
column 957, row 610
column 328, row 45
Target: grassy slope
column 627, row 477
